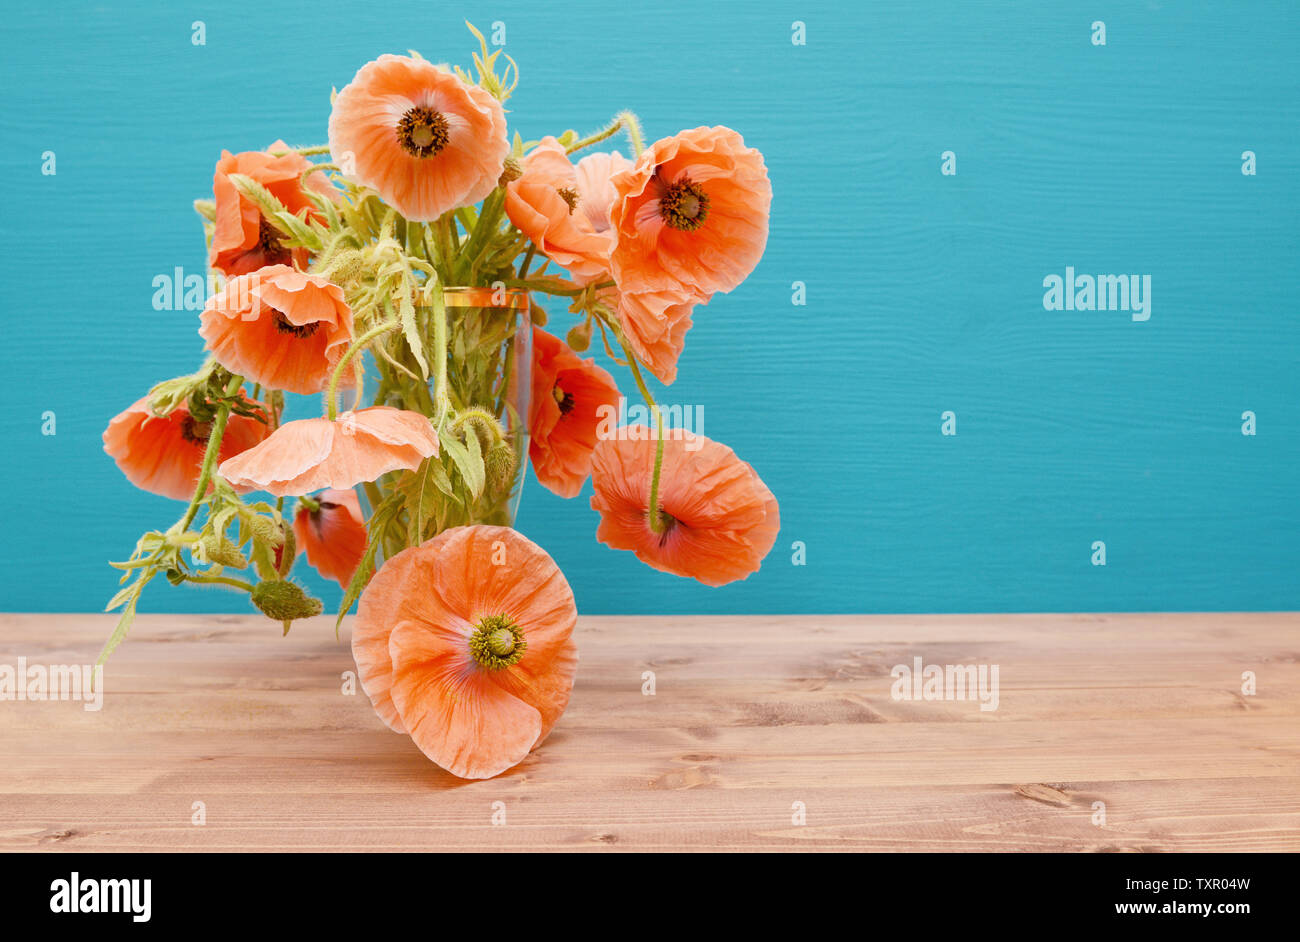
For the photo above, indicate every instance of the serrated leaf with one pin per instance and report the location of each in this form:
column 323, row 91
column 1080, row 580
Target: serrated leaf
column 377, row 526
column 128, row 616
column 468, row 458
column 421, row 489
column 411, row 330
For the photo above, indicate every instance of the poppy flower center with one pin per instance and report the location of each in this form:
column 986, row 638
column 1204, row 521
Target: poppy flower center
column 423, row 132
column 668, row 522
column 286, row 326
column 497, row 642
column 563, row 399
column 684, row 205
column 268, row 242
column 570, row 196
column 196, row 433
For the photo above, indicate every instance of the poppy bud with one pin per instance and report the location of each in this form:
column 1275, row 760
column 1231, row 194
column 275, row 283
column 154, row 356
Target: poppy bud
column 499, row 466
column 284, row 601
column 222, row 551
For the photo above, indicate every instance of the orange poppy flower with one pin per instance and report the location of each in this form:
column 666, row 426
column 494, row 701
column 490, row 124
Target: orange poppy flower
column 655, row 325
column 465, row 642
column 282, row 328
column 423, row 138
column 334, row 535
column 720, row 519
column 691, row 214
column 310, row 454
column 163, row 455
column 242, row 240
column 568, row 394
column 564, row 209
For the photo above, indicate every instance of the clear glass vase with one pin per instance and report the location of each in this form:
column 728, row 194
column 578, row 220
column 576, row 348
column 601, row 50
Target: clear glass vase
column 489, row 367
column 489, row 364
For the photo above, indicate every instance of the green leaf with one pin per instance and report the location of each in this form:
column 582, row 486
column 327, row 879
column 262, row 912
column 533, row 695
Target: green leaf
column 468, row 458
column 421, row 492
column 378, row 525
column 128, row 615
column 411, row 330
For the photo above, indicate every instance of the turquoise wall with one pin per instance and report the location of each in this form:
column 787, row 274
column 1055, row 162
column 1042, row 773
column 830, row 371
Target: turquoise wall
column 924, row 291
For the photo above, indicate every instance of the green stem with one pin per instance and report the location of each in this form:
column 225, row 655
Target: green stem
column 210, row 453
column 222, row 580
column 603, row 135
column 528, row 260
column 656, row 516
column 486, row 226
column 441, row 392
column 633, row 126
column 331, row 396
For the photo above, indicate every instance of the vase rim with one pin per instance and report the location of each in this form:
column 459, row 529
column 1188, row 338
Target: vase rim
column 481, row 296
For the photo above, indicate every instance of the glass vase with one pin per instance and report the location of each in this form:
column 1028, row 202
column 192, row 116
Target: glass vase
column 489, row 365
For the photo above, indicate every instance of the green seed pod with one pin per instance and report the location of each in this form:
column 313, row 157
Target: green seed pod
column 222, row 551
column 499, row 466
column 579, row 337
column 284, row 601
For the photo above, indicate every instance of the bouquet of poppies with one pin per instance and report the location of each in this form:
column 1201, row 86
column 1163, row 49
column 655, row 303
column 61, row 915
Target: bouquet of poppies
column 408, row 263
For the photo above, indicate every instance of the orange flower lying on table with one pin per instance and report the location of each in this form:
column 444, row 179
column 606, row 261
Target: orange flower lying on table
column 407, row 263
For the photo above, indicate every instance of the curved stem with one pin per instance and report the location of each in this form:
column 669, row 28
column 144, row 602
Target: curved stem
column 656, row 516
column 222, row 580
column 602, row 135
column 210, row 453
column 331, row 396
column 633, row 126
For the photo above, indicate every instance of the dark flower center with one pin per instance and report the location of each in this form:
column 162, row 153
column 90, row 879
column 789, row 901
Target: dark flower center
column 668, row 522
column 286, row 326
column 684, row 205
column 563, row 399
column 570, row 196
column 196, row 433
column 423, row 132
column 268, row 243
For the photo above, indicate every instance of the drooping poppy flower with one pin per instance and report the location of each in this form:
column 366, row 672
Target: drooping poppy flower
column 691, row 215
column 719, row 518
column 282, row 328
column 564, row 209
column 423, row 138
column 163, row 455
column 333, row 535
column 465, row 643
column 655, row 325
column 568, row 397
column 242, row 240
column 310, row 454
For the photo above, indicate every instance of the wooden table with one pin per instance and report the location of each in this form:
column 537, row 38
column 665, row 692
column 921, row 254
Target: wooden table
column 750, row 717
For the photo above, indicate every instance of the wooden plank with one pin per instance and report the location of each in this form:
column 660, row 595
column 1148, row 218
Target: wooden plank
column 1137, row 717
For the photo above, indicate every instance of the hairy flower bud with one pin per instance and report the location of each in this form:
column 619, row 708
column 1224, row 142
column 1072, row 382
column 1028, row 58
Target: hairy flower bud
column 219, row 549
column 267, row 530
column 284, row 601
column 499, row 466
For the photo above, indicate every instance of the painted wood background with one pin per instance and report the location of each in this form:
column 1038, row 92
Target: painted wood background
column 1112, row 733
column 924, row 291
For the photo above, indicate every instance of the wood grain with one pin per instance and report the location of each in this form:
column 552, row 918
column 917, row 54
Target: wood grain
column 750, row 715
